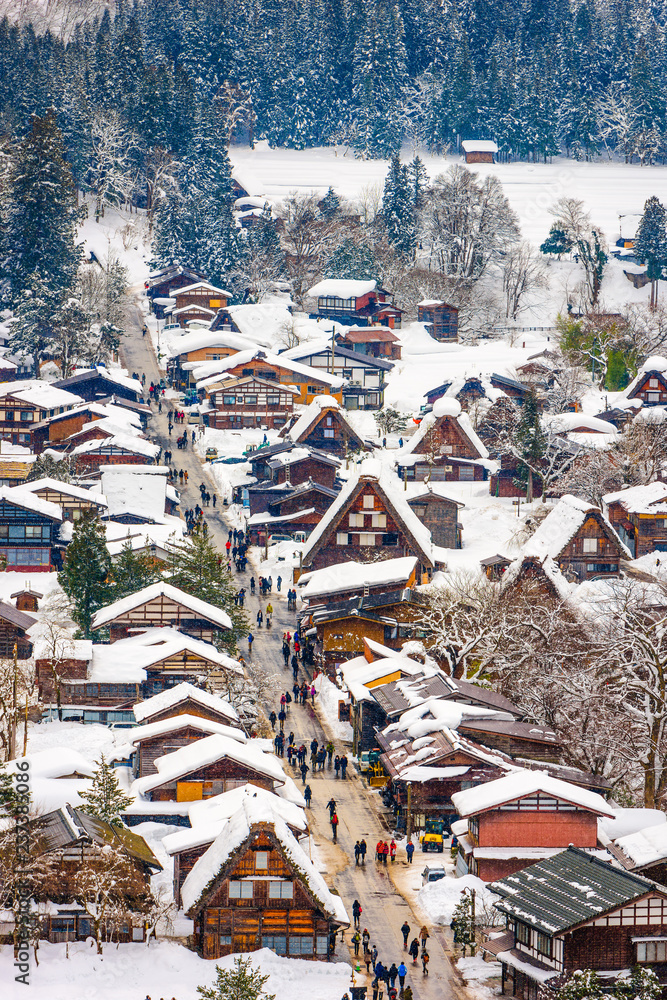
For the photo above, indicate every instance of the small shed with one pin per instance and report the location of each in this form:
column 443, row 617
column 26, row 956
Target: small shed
column 479, row 150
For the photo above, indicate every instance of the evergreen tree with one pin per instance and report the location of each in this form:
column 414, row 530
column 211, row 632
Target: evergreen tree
column 582, row 985
column 7, row 794
column 557, row 242
column 398, row 211
column 132, row 571
column 330, row 204
column 354, row 260
column 643, row 984
column 418, row 181
column 85, row 576
column 196, row 568
column 46, row 466
column 651, row 243
column 379, row 79
column 240, row 983
column 530, row 442
column 105, row 798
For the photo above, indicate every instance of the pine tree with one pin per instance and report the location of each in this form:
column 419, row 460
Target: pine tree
column 198, row 569
column 418, row 181
column 557, row 242
column 353, row 260
column 651, row 243
column 240, row 983
column 398, row 212
column 530, row 441
column 46, row 466
column 330, row 204
column 132, row 571
column 379, row 80
column 105, row 798
column 8, row 798
column 85, row 576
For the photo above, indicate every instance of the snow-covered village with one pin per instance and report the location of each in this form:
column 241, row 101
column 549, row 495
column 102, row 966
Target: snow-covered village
column 333, row 500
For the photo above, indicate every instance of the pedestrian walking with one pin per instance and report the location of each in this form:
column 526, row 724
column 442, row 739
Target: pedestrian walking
column 304, row 771
column 424, row 936
column 363, row 847
column 252, row 584
column 392, row 851
column 260, row 618
column 409, row 850
column 425, row 961
column 407, row 994
column 356, row 912
column 330, row 753
column 251, row 639
column 282, row 715
column 405, row 931
column 313, row 692
column 374, row 955
column 365, row 938
column 337, row 764
column 334, row 829
column 356, row 941
column 385, row 852
column 367, row 960
column 392, row 974
column 343, row 765
column 357, row 852
column 331, row 806
column 413, row 950
column 279, row 582
column 307, row 794
column 402, row 973
column 273, row 719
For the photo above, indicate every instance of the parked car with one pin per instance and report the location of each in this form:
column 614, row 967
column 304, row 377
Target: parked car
column 433, row 874
column 274, row 539
column 211, row 454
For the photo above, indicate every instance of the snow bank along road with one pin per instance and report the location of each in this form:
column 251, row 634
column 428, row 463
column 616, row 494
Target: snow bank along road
column 384, row 908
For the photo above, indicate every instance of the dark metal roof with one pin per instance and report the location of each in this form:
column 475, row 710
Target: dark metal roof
column 393, row 700
column 68, row 826
column 520, row 730
column 93, row 374
column 511, row 383
column 567, row 890
column 363, row 603
column 15, row 617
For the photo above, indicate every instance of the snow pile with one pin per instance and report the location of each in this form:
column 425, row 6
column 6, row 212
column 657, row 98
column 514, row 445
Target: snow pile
column 625, row 822
column 328, row 698
column 646, row 846
column 446, row 407
column 177, row 694
column 351, row 575
column 439, row 899
column 476, row 970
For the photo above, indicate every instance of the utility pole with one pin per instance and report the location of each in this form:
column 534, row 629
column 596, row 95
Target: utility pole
column 12, row 727
column 408, row 820
column 25, row 728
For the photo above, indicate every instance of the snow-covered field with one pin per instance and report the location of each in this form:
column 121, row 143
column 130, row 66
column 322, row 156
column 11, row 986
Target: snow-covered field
column 160, row 970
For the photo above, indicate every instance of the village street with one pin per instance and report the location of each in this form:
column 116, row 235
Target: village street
column 359, row 809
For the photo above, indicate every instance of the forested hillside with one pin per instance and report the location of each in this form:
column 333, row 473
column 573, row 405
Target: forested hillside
column 539, row 76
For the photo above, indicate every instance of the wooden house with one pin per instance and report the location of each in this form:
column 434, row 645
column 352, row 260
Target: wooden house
column 25, row 403
column 275, row 368
column 650, row 383
column 199, row 347
column 353, row 579
column 373, row 341
column 364, row 375
column 27, row 599
column 639, row 515
column 185, row 699
column 579, row 539
column 119, row 449
column 61, row 430
column 155, row 739
column 439, row 513
column 441, row 320
column 287, row 509
column 16, row 464
column 29, row 531
column 14, row 628
column 198, row 301
column 507, row 479
column 479, row 150
column 99, row 382
column 323, row 425
column 72, row 500
column 557, row 930
column 369, row 521
column 644, row 851
column 354, row 303
column 250, row 401
column 162, row 286
column 299, row 465
column 209, row 817
column 445, row 448
column 207, row 767
column 510, row 823
column 160, row 605
column 255, row 888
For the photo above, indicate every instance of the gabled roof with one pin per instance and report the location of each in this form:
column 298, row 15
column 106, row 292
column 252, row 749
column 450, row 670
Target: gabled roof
column 255, row 816
column 567, row 890
column 200, row 609
column 21, row 497
column 66, row 826
column 561, row 525
column 46, row 395
column 200, row 340
column 205, row 286
column 235, row 381
column 445, row 409
column 67, row 490
column 479, row 146
column 387, row 487
column 323, row 348
column 522, row 784
column 648, row 499
column 204, row 371
column 351, row 575
column 341, row 288
column 176, row 722
column 368, row 335
column 178, row 694
column 321, row 407
column 106, row 374
column 127, row 660
column 119, row 443
column 655, row 365
column 199, row 754
column 302, row 454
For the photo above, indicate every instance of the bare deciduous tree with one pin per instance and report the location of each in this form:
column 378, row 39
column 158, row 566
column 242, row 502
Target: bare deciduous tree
column 523, row 272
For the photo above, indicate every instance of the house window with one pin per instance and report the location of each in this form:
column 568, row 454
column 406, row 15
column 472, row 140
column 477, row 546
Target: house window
column 523, row 933
column 379, row 520
column 228, row 400
column 590, row 544
column 226, row 940
column 356, row 520
column 281, row 890
column 654, row 950
column 366, row 538
column 473, row 827
column 329, row 421
column 653, row 383
column 390, row 539
column 240, row 890
column 543, row 944
column 342, row 538
column 652, row 397
column 466, row 473
column 247, row 371
column 251, row 400
column 369, row 502
column 276, row 942
column 328, row 433
column 26, row 415
column 447, row 449
column 273, row 401
column 268, row 375
column 301, row 946
column 261, row 860
column 314, row 389
column 322, row 944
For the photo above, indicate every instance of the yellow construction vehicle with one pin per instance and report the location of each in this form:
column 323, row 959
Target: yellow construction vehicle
column 433, row 838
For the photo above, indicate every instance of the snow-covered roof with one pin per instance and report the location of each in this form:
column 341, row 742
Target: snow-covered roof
column 561, row 525
column 646, row 499
column 39, row 393
column 71, row 649
column 135, row 493
column 358, row 672
column 109, row 375
column 208, row 816
column 479, row 146
column 351, row 575
column 177, row 694
column 151, row 593
column 236, row 831
column 492, row 794
column 56, row 762
column 390, row 485
column 205, row 286
column 341, row 288
column 22, row 497
column 656, row 363
column 311, row 414
column 206, row 370
column 207, row 751
column 125, row 442
column 152, row 729
column 627, row 821
column 198, row 341
column 446, row 406
column 67, row 489
column 127, row 660
column 565, row 423
column 262, row 322
column 645, row 847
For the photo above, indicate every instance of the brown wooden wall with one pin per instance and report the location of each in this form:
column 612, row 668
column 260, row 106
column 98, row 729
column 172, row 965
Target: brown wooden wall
column 218, row 771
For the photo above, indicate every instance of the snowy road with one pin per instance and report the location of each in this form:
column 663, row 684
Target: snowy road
column 359, row 809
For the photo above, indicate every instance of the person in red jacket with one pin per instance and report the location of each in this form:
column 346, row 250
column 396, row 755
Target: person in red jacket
column 334, row 826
